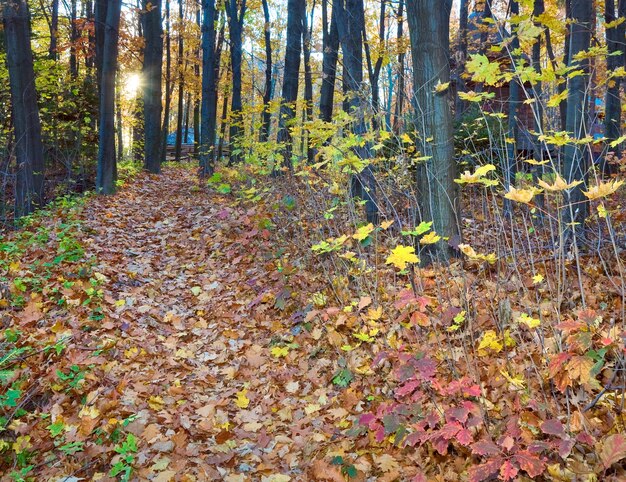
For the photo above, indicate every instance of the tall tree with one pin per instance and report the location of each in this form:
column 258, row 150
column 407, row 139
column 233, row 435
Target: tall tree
column 107, row 165
column 25, row 112
column 54, row 30
column 169, row 86
column 399, row 109
column 236, row 10
column 208, row 114
column 296, row 10
column 267, row 90
column 330, row 45
column 576, row 158
column 152, row 64
column 462, row 56
column 181, row 82
column 437, row 194
column 615, row 33
column 374, row 69
column 307, row 36
column 351, row 25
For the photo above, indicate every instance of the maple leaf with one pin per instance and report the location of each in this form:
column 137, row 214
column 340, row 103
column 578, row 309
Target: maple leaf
column 603, row 189
column 430, row 238
column 613, row 449
column 242, row 400
column 386, row 462
column 553, row 427
column 485, row 447
column 363, row 232
column 521, row 195
column 489, row 341
column 279, row 351
column 558, row 185
column 401, row 256
column 478, row 176
column 483, row 70
column 156, row 403
column 530, row 463
column 579, row 368
column 508, row 471
column 485, row 471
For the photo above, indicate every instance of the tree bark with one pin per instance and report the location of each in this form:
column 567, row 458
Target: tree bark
column 181, row 83
column 209, row 90
column 54, row 30
column 107, row 166
column 460, row 105
column 267, row 91
column 617, row 58
column 236, row 15
column 374, row 70
column 437, row 194
column 576, row 158
column 330, row 43
column 307, row 34
column 296, row 10
column 400, row 92
column 165, row 129
column 29, row 187
column 152, row 64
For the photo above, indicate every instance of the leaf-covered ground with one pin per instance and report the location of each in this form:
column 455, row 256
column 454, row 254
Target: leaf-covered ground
column 173, row 333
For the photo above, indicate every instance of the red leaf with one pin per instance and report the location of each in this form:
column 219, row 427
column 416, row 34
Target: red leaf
column 553, row 427
column 508, row 471
column 532, row 464
column 557, row 363
column 459, row 414
column 464, row 436
column 613, row 449
column 484, row 471
column 485, row 447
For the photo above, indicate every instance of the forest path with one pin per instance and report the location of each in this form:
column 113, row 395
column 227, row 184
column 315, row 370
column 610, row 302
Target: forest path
column 191, row 300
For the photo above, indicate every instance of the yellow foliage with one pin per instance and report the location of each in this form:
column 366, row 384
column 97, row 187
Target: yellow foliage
column 402, row 255
column 489, row 342
column 430, row 238
column 603, row 189
column 558, row 185
column 521, row 195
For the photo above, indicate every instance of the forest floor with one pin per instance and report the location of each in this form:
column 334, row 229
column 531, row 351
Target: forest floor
column 170, row 332
column 192, row 370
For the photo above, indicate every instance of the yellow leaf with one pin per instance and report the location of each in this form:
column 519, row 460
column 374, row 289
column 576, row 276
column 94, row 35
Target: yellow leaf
column 558, row 185
column 156, row 403
column 579, row 368
column 439, row 88
column 556, row 99
column 478, row 176
column 386, row 224
column 468, row 251
column 603, row 189
column 529, row 321
column 402, row 255
column 21, row 444
column 538, row 278
column 517, row 381
column 536, row 163
column 489, row 342
column 279, row 351
column 602, row 212
column 521, row 195
column 363, row 232
column 89, row 411
column 430, row 238
column 242, row 400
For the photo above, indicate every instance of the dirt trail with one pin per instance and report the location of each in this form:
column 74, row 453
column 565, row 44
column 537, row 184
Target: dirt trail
column 190, row 304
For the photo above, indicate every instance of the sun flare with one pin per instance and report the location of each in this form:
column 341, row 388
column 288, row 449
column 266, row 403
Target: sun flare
column 131, row 86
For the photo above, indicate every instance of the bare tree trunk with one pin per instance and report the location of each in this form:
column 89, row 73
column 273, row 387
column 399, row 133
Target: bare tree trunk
column 267, row 91
column 307, row 34
column 576, row 159
column 209, row 90
column 236, row 16
column 54, row 30
column 165, row 129
column 152, row 64
column 616, row 59
column 181, row 83
column 329, row 63
column 437, row 194
column 400, row 93
column 374, row 70
column 107, row 165
column 296, row 10
column 29, row 187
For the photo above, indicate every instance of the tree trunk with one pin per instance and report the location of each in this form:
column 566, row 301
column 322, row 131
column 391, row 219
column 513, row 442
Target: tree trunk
column 181, row 83
column 99, row 27
column 576, row 159
column 538, row 152
column 437, row 194
column 615, row 43
column 107, row 166
column 235, row 23
column 197, row 101
column 296, row 10
column 54, row 30
column 508, row 170
column 187, row 112
column 29, row 186
column 152, row 64
column 119, row 128
column 374, row 70
column 329, row 63
column 400, row 92
column 165, row 129
column 307, row 34
column 209, row 90
column 460, row 105
column 350, row 25
column 267, row 91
